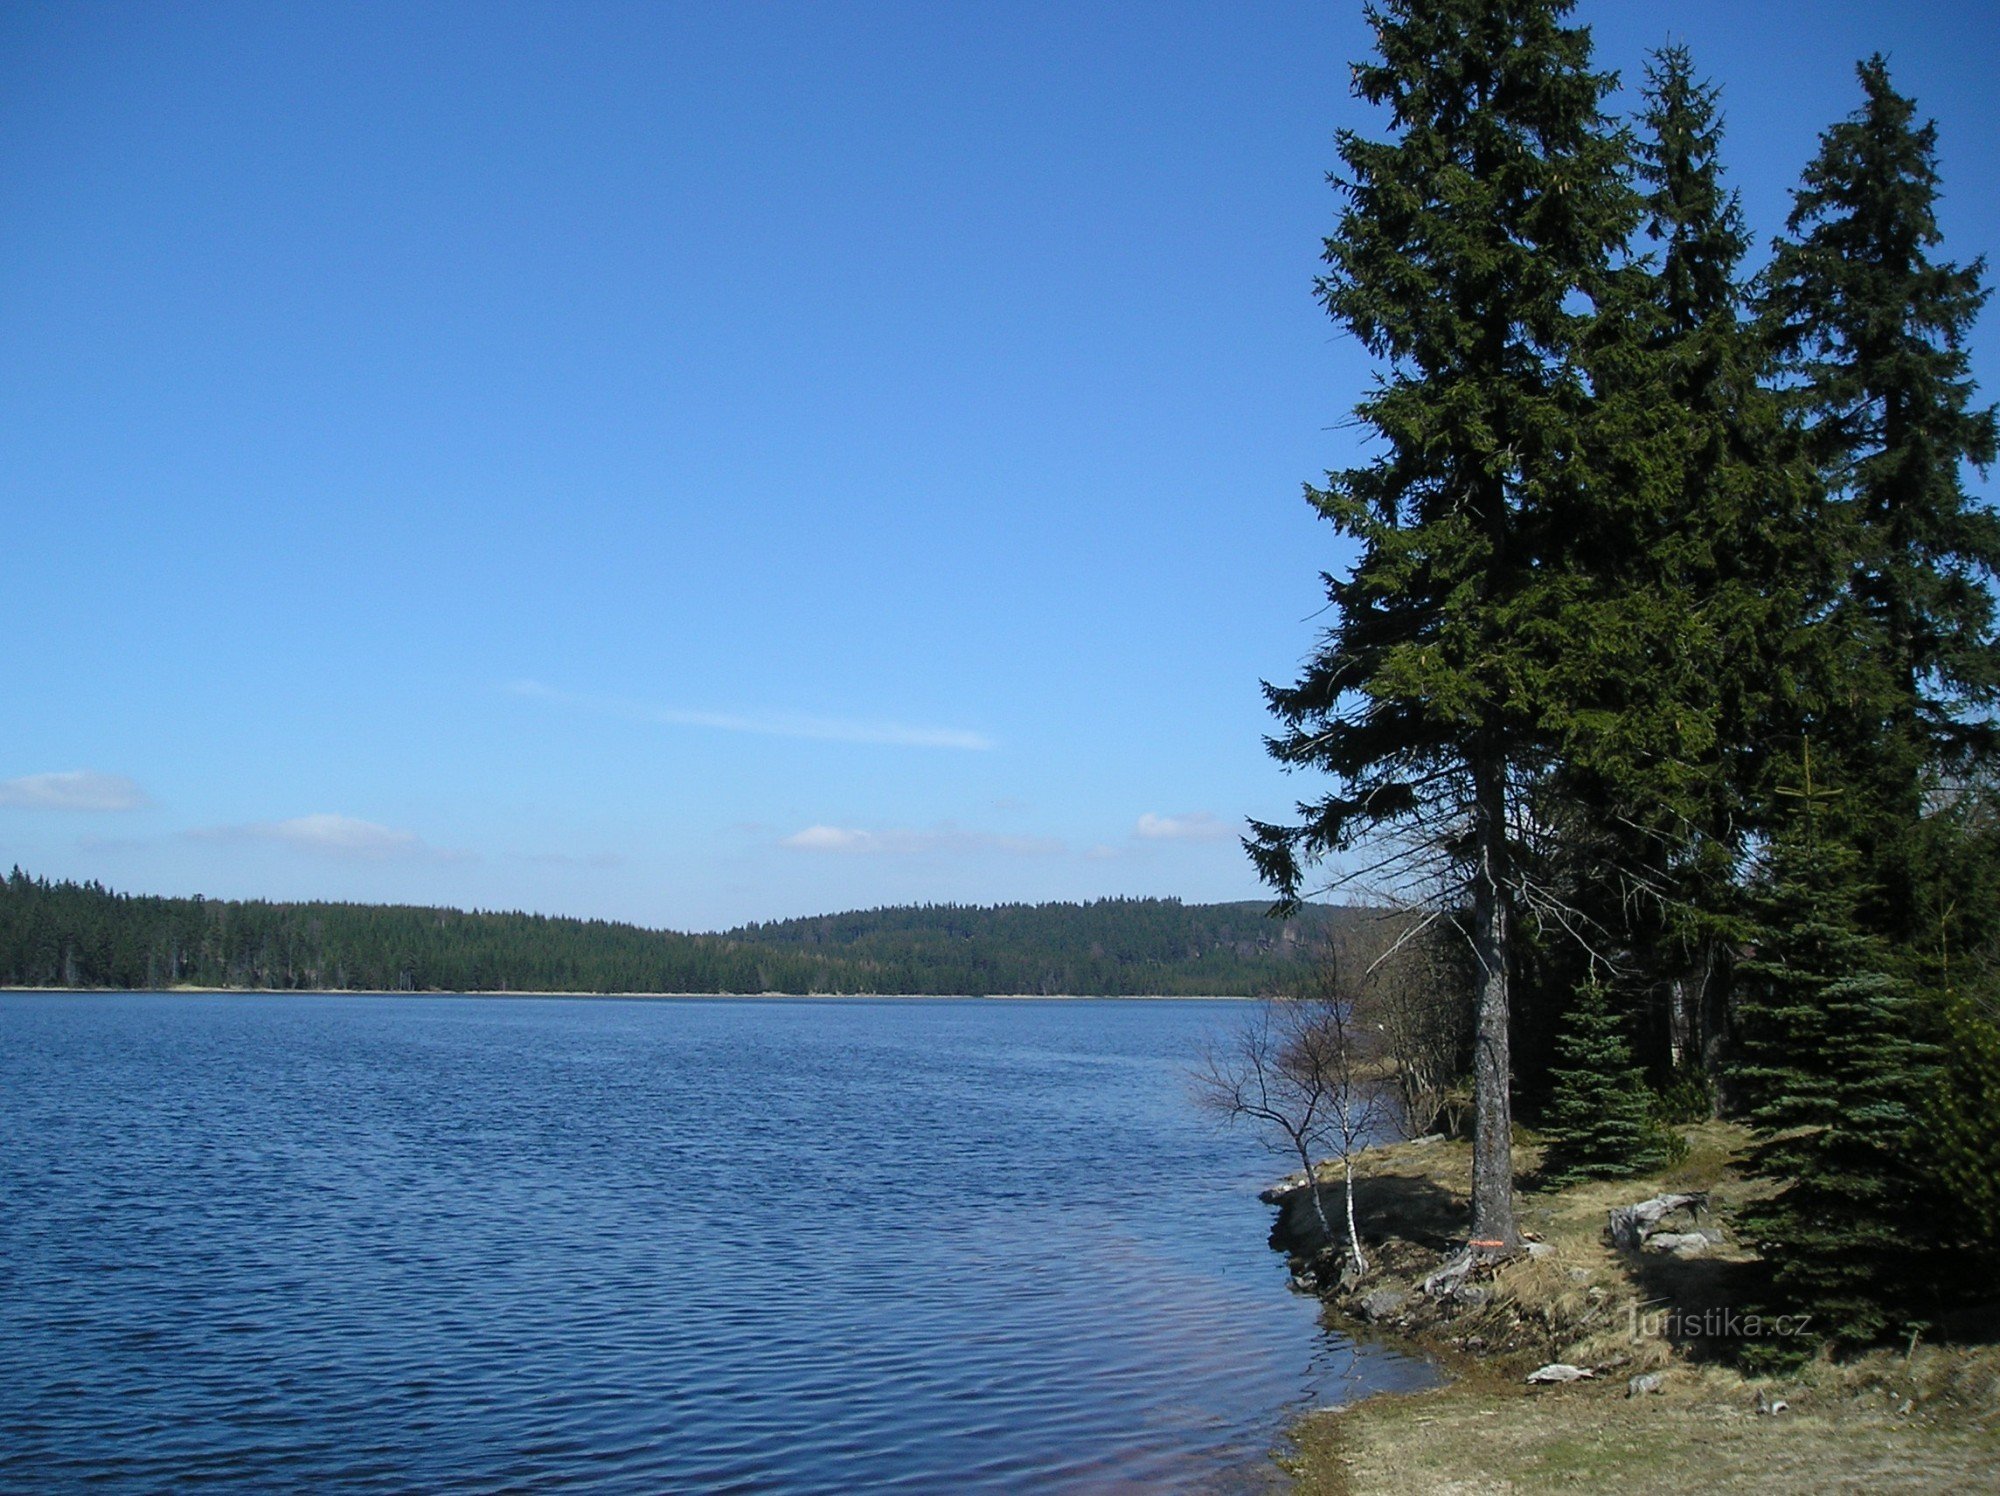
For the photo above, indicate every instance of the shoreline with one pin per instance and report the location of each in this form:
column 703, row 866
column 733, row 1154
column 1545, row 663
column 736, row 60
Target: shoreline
column 1656, row 1392
column 970, row 997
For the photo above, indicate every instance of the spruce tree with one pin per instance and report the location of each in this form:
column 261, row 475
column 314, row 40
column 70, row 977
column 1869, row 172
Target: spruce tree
column 1600, row 1122
column 1736, row 544
column 1873, row 327
column 1833, row 1078
column 1470, row 243
column 1697, row 570
column 1962, row 1131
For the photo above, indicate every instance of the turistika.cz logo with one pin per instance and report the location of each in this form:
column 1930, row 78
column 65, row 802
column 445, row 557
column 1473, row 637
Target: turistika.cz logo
column 1714, row 1324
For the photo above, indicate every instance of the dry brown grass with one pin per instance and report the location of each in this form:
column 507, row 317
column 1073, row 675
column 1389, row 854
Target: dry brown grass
column 1701, row 1433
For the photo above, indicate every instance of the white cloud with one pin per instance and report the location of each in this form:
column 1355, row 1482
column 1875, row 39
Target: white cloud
column 906, row 843
column 596, row 860
column 73, row 789
column 337, row 836
column 345, row 836
column 1198, row 826
column 833, row 839
column 818, row 729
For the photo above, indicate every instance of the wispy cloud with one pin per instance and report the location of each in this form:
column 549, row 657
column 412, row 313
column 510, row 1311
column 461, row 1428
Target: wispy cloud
column 780, row 725
column 907, row 843
column 337, row 836
column 1195, row 826
column 73, row 789
column 595, row 860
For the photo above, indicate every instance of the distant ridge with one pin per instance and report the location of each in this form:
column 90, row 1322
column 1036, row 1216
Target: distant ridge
column 63, row 934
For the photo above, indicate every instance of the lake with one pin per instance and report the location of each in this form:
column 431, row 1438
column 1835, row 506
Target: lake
column 384, row 1243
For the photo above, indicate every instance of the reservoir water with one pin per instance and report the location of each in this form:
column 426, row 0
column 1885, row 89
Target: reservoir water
column 396, row 1243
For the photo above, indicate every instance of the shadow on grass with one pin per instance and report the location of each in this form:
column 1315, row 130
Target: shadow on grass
column 1412, row 1207
column 1403, row 1207
column 1707, row 1307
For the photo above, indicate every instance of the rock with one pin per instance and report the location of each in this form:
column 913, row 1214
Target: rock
column 1472, row 1295
column 1630, row 1225
column 1579, row 1275
column 1276, row 1194
column 1678, row 1243
column 1540, row 1251
column 1769, row 1404
column 1650, row 1381
column 1383, row 1303
column 1448, row 1277
column 1561, row 1371
column 1297, row 1229
column 1713, row 1235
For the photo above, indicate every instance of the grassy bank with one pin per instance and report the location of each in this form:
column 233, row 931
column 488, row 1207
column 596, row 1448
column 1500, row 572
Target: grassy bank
column 1924, row 1418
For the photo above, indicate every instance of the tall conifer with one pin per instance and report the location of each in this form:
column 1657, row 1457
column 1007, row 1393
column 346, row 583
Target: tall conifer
column 1696, row 569
column 1874, row 328
column 1458, row 261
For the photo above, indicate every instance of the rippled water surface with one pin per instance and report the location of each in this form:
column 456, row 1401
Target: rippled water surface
column 359, row 1243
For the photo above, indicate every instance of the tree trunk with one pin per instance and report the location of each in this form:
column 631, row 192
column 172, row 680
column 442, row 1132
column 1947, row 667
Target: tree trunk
column 1681, row 1000
column 1493, row 1227
column 1353, row 1235
column 1312, row 1194
column 1715, row 1028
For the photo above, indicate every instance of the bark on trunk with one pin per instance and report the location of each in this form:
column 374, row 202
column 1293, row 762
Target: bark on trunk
column 1680, row 1019
column 1493, row 1228
column 1312, row 1194
column 1697, row 1023
column 1353, row 1235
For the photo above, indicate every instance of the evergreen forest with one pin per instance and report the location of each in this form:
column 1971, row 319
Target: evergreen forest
column 63, row 934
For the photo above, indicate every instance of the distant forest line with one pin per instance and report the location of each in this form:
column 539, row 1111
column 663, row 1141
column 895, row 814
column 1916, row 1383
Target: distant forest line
column 65, row 934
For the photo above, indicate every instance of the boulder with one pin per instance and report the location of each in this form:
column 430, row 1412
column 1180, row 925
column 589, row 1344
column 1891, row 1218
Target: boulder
column 1448, row 1277
column 1678, row 1243
column 1561, row 1371
column 1631, row 1225
column 1650, row 1381
column 1383, row 1303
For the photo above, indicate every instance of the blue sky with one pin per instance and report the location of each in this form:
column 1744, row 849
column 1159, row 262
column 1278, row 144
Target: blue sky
column 701, row 463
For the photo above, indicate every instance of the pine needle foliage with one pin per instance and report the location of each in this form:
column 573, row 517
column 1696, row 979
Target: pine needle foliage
column 1873, row 328
column 1834, row 1078
column 1962, row 1127
column 1600, row 1121
column 1471, row 246
column 1463, row 240
column 1696, row 574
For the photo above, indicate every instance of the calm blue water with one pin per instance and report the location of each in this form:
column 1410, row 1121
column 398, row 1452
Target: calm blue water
column 373, row 1243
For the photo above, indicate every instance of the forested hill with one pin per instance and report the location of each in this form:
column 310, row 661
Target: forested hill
column 83, row 935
